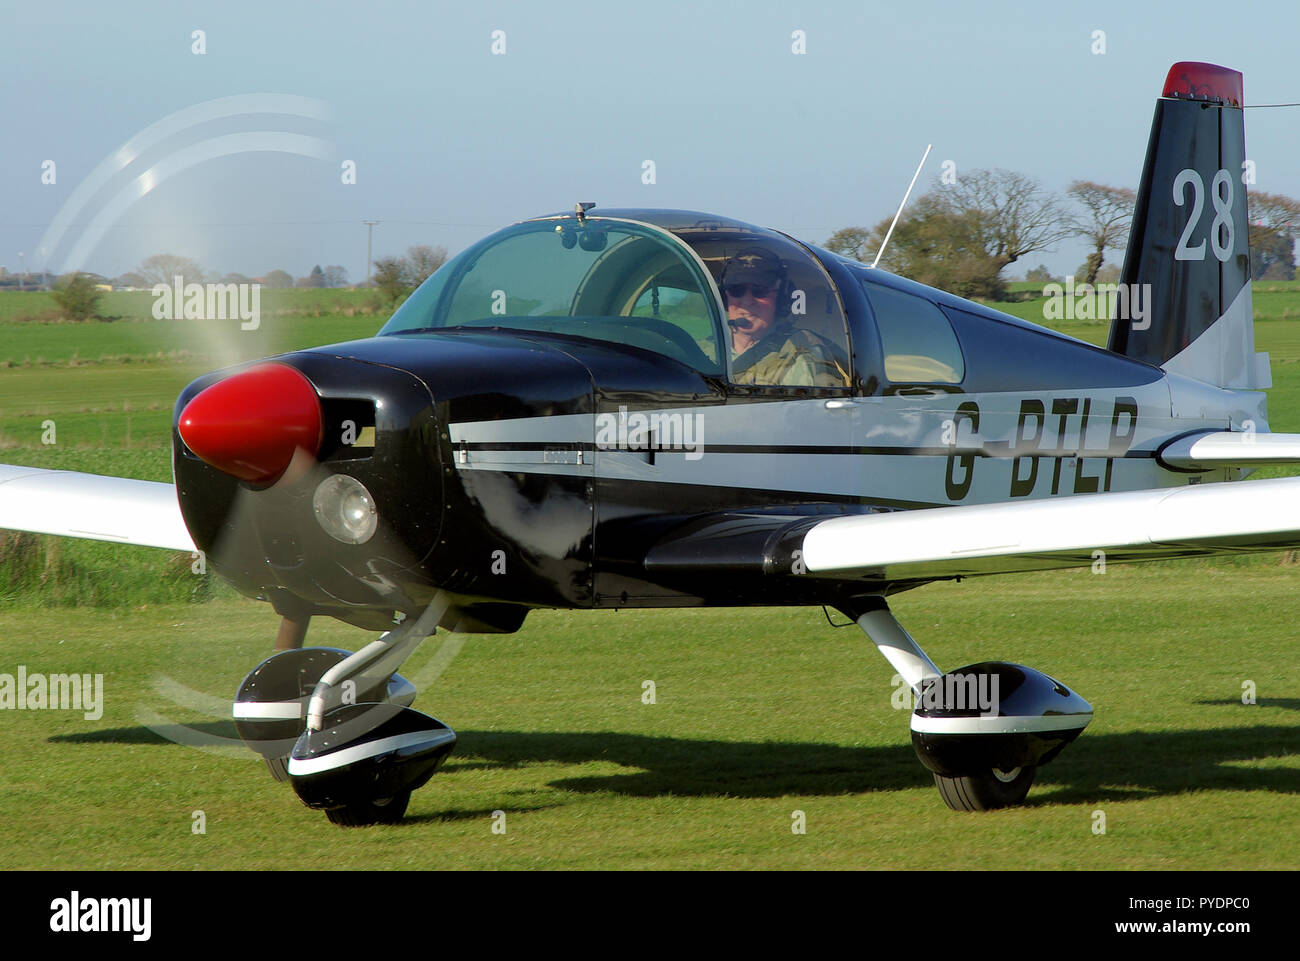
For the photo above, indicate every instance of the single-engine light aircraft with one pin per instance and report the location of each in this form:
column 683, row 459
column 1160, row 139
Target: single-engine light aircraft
column 663, row 408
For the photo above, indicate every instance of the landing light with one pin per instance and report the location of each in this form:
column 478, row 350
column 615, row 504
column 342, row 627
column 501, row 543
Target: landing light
column 345, row 509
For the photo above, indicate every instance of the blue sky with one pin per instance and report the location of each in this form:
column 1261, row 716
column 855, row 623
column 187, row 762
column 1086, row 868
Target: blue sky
column 451, row 141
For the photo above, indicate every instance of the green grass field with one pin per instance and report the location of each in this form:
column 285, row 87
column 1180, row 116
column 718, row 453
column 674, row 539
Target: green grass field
column 37, row 305
column 759, row 713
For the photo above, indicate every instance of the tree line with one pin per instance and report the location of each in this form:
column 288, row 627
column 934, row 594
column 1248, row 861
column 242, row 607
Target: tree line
column 164, row 268
column 393, row 277
column 964, row 234
column 77, row 294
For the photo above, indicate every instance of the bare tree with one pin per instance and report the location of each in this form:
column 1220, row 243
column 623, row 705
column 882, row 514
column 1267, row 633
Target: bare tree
column 1010, row 212
column 131, row 279
column 336, row 276
column 852, row 242
column 165, row 268
column 942, row 247
column 935, row 243
column 421, row 261
column 1105, row 219
column 389, row 275
column 395, row 277
column 961, row 236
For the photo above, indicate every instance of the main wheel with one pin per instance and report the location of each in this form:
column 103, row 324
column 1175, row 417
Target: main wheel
column 379, row 811
column 985, row 792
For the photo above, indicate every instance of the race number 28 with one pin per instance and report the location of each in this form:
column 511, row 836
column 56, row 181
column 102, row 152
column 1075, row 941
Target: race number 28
column 1221, row 198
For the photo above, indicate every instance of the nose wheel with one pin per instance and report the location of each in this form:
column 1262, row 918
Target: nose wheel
column 986, row 791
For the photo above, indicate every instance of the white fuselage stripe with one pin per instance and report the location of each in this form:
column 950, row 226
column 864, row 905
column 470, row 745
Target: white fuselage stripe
column 900, row 450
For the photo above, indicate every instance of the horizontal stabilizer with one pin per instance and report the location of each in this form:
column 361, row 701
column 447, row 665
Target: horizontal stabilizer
column 69, row 504
column 1231, row 449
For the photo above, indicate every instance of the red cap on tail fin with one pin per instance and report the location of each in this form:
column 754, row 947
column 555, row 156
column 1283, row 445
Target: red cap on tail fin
column 1190, row 80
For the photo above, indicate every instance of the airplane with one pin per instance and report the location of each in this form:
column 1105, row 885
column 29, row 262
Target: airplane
column 637, row 408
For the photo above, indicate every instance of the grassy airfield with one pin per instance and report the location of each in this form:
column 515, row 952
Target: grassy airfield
column 758, row 714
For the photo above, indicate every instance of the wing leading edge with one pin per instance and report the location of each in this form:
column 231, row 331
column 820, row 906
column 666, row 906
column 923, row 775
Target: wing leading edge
column 1059, row 532
column 69, row 504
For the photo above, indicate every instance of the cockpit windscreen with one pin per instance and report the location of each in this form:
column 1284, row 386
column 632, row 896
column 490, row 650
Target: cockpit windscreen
column 598, row 279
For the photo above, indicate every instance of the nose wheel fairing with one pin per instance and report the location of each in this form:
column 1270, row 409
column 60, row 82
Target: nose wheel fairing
column 270, row 708
column 366, row 754
column 983, row 730
column 1020, row 718
column 364, row 749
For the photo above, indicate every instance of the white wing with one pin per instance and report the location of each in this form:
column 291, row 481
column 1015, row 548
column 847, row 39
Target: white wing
column 1059, row 532
column 89, row 505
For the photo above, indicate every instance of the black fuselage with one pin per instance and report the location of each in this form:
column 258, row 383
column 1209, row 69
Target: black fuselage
column 517, row 463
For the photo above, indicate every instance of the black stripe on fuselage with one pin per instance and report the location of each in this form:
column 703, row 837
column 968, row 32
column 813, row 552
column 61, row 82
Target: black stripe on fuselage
column 801, row 450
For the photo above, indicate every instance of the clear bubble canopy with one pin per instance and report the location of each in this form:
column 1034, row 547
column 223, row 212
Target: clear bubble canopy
column 653, row 280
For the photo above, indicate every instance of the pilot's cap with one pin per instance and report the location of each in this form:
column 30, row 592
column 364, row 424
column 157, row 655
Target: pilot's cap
column 753, row 265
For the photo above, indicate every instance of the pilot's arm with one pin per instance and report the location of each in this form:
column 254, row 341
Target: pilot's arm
column 810, row 366
column 801, row 371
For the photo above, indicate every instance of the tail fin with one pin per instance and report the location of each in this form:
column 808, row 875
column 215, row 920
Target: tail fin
column 1188, row 259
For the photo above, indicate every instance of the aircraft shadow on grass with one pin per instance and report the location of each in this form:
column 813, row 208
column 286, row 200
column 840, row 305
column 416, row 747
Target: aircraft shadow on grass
column 1098, row 767
column 1286, row 703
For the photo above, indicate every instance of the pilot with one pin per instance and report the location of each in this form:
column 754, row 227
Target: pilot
column 766, row 347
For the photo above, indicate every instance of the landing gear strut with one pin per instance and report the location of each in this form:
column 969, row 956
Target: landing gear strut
column 982, row 730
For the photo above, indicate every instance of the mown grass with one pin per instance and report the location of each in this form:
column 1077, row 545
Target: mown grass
column 210, row 342
column 38, row 306
column 1272, row 300
column 758, row 714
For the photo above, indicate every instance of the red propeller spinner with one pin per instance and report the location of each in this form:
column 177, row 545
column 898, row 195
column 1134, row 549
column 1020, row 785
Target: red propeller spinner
column 250, row 425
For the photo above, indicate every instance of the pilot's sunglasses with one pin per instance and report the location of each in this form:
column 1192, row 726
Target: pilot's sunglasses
column 759, row 291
